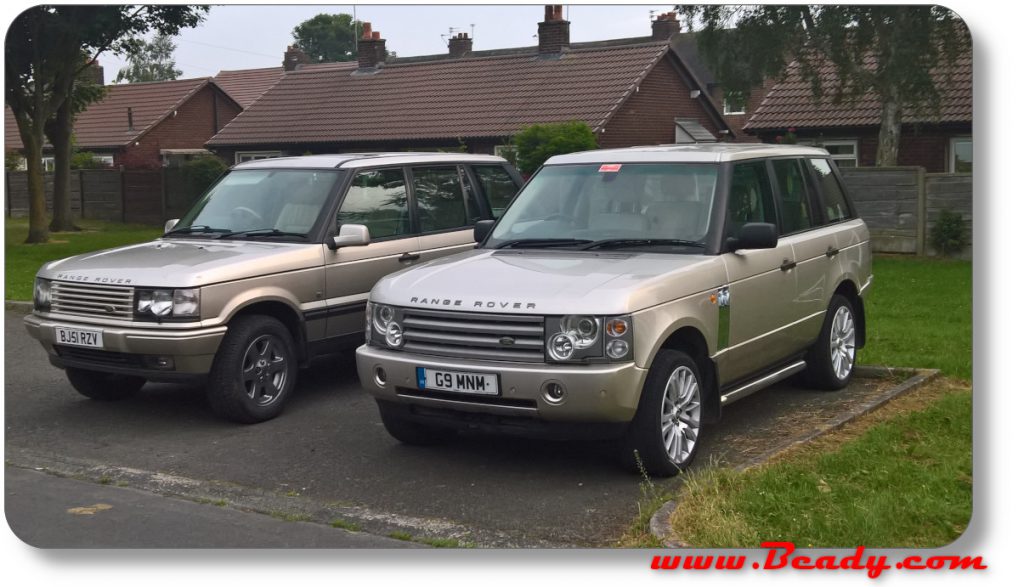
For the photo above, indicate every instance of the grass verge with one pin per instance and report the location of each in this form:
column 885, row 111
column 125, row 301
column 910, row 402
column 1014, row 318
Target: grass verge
column 900, row 477
column 22, row 261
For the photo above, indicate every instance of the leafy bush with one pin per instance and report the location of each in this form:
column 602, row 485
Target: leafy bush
column 86, row 160
column 200, row 173
column 949, row 235
column 538, row 142
column 13, row 160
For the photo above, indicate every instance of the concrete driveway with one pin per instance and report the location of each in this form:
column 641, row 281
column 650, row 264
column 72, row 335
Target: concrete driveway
column 329, row 458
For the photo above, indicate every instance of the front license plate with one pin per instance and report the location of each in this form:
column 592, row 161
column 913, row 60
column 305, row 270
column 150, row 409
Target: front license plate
column 79, row 337
column 457, row 381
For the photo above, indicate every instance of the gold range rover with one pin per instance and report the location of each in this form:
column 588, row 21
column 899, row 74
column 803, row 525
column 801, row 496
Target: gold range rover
column 632, row 293
column 270, row 268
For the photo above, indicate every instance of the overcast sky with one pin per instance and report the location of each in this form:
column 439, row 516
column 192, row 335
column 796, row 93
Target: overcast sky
column 242, row 37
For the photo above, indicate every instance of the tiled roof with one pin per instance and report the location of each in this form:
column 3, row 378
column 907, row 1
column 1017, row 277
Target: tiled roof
column 791, row 102
column 480, row 96
column 245, row 85
column 105, row 123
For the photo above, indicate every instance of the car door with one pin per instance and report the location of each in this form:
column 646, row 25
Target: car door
column 379, row 199
column 446, row 209
column 762, row 282
column 498, row 185
column 800, row 227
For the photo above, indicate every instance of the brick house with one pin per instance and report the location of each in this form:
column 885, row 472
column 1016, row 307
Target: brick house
column 629, row 91
column 941, row 141
column 147, row 125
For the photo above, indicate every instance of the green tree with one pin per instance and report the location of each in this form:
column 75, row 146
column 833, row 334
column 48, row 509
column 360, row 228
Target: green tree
column 535, row 144
column 46, row 50
column 328, row 37
column 154, row 62
column 885, row 49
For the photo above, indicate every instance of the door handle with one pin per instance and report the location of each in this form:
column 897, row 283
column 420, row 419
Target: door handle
column 831, row 252
column 787, row 265
column 408, row 257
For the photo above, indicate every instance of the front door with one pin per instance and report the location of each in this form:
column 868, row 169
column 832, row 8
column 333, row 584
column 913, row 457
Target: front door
column 378, row 199
column 762, row 283
column 446, row 209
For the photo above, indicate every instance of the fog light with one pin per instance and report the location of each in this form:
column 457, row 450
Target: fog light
column 380, row 377
column 554, row 392
column 159, row 362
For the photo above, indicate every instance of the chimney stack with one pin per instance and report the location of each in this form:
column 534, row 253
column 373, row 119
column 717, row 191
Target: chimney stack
column 372, row 50
column 459, row 45
column 665, row 26
column 294, row 57
column 94, row 73
column 553, row 33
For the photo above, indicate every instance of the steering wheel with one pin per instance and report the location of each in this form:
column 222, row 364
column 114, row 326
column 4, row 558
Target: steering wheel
column 241, row 212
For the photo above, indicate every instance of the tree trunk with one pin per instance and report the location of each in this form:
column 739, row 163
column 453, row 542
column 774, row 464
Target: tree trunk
column 32, row 139
column 889, row 133
column 59, row 132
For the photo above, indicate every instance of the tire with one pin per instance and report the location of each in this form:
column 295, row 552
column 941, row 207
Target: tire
column 407, row 431
column 253, row 372
column 665, row 433
column 831, row 360
column 107, row 387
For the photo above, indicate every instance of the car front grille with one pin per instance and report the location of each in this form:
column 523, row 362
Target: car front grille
column 89, row 299
column 98, row 356
column 467, row 335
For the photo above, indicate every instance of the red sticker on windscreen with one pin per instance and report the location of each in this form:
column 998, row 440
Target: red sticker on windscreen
column 610, row 168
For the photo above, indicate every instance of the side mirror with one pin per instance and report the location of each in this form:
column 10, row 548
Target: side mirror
column 754, row 235
column 481, row 229
column 350, row 235
column 170, row 224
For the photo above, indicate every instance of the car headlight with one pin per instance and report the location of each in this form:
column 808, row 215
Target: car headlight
column 167, row 303
column 41, row 295
column 588, row 338
column 383, row 325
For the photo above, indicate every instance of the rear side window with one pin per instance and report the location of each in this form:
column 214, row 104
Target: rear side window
column 793, row 196
column 833, row 202
column 440, row 198
column 750, row 197
column 498, row 186
column 377, row 199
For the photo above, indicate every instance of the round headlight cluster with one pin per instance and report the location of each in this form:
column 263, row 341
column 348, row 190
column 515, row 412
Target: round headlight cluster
column 382, row 316
column 394, row 335
column 589, row 338
column 382, row 323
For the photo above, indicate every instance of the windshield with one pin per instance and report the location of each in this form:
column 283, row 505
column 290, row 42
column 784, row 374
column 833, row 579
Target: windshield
column 265, row 202
column 632, row 205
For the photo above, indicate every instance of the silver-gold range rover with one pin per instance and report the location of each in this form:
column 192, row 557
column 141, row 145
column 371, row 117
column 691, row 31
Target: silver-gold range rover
column 270, row 268
column 630, row 292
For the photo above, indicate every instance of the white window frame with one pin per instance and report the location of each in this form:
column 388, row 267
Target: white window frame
column 243, row 156
column 500, row 151
column 727, row 106
column 49, row 163
column 107, row 160
column 952, row 151
column 824, row 144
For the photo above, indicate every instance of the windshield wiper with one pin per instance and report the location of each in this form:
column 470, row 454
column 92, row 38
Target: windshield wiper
column 540, row 242
column 262, row 232
column 196, row 228
column 615, row 243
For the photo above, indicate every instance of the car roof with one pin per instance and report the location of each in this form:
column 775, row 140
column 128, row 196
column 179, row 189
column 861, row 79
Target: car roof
column 360, row 160
column 699, row 153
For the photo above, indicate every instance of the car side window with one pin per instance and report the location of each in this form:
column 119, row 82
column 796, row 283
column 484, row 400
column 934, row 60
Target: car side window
column 793, row 195
column 377, row 199
column 750, row 197
column 498, row 186
column 833, row 202
column 440, row 198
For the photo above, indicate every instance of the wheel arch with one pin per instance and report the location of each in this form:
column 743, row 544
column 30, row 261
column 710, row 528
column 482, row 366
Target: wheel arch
column 848, row 289
column 280, row 311
column 690, row 340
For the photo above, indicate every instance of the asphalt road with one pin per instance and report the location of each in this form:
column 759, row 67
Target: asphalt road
column 329, row 453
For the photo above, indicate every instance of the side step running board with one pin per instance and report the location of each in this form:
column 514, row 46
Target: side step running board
column 762, row 382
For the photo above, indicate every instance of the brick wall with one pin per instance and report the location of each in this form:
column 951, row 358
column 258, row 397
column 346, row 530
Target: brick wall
column 198, row 119
column 737, row 121
column 648, row 116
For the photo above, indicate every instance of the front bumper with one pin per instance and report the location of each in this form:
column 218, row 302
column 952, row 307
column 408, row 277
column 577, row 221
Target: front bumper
column 597, row 393
column 131, row 351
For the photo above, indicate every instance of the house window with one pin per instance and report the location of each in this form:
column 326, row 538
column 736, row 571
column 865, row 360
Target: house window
column 843, row 151
column 508, row 152
column 733, row 103
column 49, row 164
column 961, row 155
column 243, row 156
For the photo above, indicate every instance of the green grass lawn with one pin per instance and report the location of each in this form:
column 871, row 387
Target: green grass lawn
column 904, row 482
column 919, row 315
column 22, row 261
